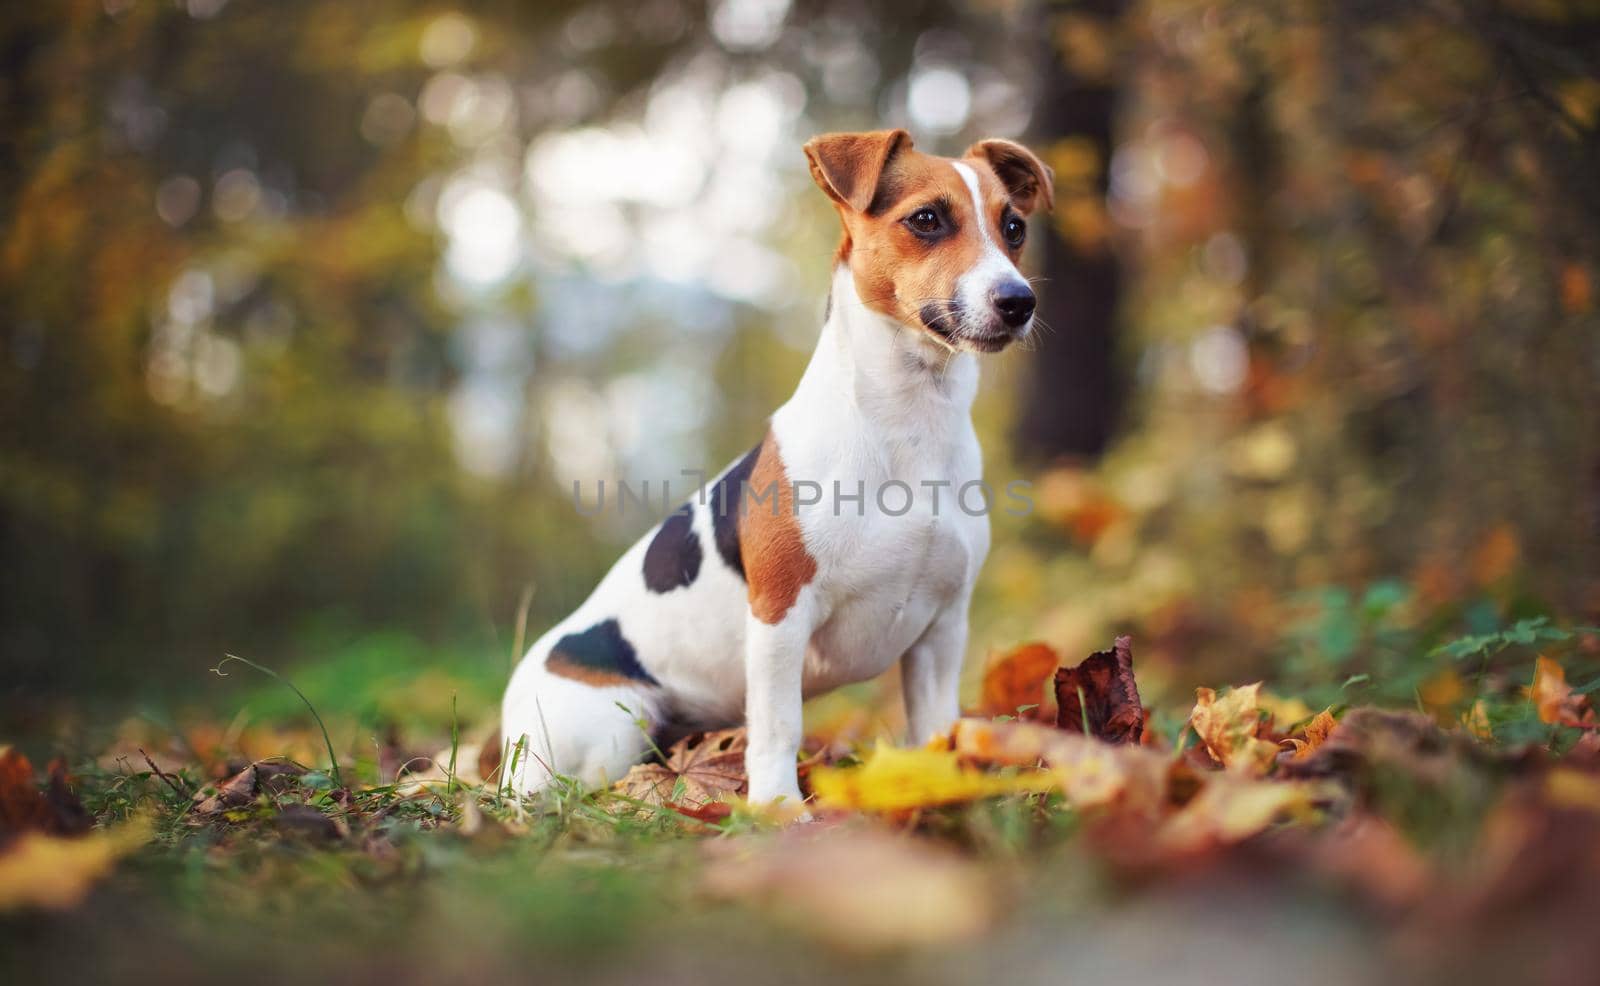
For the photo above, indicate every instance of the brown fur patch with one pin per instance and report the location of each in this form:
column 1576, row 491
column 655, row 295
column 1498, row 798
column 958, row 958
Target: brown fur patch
column 566, row 667
column 489, row 758
column 776, row 563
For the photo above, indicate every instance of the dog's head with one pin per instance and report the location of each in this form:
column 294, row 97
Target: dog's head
column 933, row 241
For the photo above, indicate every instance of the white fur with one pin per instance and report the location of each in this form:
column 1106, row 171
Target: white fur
column 879, row 401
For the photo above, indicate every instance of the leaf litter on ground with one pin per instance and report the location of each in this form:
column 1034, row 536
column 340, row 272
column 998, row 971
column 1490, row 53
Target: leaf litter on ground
column 1386, row 803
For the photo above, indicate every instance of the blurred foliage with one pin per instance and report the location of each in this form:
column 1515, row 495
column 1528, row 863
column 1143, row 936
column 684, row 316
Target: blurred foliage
column 314, row 314
column 1364, row 327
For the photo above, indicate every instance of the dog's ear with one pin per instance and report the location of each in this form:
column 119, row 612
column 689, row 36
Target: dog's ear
column 1029, row 180
column 848, row 166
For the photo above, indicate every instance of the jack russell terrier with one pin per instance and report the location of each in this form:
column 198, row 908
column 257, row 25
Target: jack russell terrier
column 752, row 597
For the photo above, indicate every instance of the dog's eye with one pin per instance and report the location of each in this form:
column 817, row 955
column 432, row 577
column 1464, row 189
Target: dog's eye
column 1014, row 230
column 924, row 221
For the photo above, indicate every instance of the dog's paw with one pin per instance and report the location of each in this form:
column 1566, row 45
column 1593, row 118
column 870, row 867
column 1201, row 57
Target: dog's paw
column 787, row 807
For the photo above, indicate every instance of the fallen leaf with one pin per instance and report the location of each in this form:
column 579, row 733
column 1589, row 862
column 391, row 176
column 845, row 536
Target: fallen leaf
column 306, row 822
column 708, row 765
column 41, row 870
column 1369, row 853
column 895, row 779
column 24, row 808
column 1230, row 808
column 1441, row 693
column 243, row 788
column 1586, row 751
column 1532, row 877
column 1496, row 555
column 1016, row 679
column 1316, row 733
column 1285, row 710
column 1090, row 772
column 1476, row 721
column 1565, row 787
column 1100, row 694
column 1554, row 698
column 1229, row 726
column 858, row 890
column 711, row 812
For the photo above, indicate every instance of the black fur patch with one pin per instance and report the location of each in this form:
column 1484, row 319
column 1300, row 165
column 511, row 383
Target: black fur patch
column 724, row 500
column 940, row 316
column 599, row 655
column 673, row 559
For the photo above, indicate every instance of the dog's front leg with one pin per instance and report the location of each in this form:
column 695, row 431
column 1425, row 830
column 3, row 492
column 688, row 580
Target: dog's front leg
column 930, row 675
column 775, row 655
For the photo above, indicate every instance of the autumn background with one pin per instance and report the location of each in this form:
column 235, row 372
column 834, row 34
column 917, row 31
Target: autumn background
column 314, row 313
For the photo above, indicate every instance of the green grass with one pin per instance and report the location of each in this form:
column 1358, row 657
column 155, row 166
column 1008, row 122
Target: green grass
column 467, row 882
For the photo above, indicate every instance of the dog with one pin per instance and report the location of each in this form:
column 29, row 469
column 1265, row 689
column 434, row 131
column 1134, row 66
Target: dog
column 762, row 590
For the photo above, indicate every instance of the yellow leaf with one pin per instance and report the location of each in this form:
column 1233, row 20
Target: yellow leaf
column 1284, row 711
column 1476, row 721
column 39, row 870
column 894, row 779
column 1228, row 726
column 1568, row 788
column 1441, row 692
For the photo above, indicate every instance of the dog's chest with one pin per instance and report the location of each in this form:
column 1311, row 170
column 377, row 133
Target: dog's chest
column 887, row 580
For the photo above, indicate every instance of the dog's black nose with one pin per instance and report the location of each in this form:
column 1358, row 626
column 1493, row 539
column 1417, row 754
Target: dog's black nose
column 1014, row 302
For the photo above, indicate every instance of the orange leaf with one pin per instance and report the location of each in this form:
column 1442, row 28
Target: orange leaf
column 1553, row 697
column 1496, row 555
column 24, row 808
column 1016, row 678
column 1315, row 734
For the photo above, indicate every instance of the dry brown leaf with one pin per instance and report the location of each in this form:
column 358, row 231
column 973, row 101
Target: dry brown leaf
column 306, row 822
column 1369, row 853
column 1229, row 727
column 243, row 788
column 1100, row 694
column 1316, row 733
column 709, row 765
column 1016, row 679
column 857, row 889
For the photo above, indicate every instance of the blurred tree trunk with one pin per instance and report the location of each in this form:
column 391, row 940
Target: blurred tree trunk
column 1073, row 394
